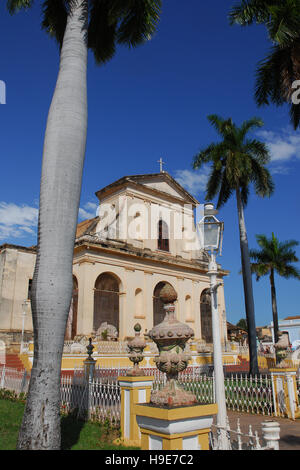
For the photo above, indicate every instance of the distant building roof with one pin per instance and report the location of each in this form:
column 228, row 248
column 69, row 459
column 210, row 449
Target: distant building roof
column 295, row 317
column 232, row 327
column 84, row 226
column 81, row 229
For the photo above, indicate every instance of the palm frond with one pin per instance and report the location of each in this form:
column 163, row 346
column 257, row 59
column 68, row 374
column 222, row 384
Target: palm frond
column 250, row 125
column 260, row 270
column 130, row 22
column 258, row 150
column 281, row 17
column 211, row 153
column 290, row 272
column 269, row 77
column 225, row 193
column 248, row 12
column 102, row 31
column 283, row 25
column 223, row 126
column 55, row 14
column 262, row 179
column 14, row 6
column 139, row 21
column 275, row 78
column 213, row 184
column 245, row 191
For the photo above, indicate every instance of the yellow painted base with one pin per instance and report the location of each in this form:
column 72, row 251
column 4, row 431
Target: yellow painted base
column 163, row 426
column 282, row 393
column 133, row 390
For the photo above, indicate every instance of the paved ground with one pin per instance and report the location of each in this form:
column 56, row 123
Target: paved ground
column 289, row 430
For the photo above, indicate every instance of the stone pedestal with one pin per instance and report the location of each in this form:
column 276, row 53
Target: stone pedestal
column 285, row 392
column 89, row 369
column 134, row 390
column 180, row 428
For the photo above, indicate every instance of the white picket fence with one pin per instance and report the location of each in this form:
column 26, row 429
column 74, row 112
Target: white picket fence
column 100, row 399
column 95, row 400
column 243, row 393
column 237, row 440
column 13, row 379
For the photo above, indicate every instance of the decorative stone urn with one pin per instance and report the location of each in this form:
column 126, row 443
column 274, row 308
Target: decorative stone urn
column 89, row 363
column 136, row 348
column 170, row 337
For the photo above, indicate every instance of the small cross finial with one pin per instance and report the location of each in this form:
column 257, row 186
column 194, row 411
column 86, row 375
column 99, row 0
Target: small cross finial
column 161, row 163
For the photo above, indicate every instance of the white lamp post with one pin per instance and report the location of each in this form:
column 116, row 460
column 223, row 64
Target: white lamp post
column 210, row 231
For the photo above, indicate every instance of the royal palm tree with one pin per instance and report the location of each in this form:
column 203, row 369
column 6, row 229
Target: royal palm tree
column 77, row 25
column 274, row 257
column 236, row 162
column 278, row 74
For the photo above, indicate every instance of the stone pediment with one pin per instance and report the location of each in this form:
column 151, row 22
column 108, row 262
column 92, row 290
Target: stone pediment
column 159, row 183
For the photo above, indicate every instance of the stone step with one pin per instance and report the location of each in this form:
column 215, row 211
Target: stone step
column 13, row 361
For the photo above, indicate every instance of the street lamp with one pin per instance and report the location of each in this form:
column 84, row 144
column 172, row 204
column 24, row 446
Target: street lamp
column 210, row 231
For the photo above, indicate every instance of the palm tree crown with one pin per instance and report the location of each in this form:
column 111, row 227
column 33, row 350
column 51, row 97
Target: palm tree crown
column 236, row 161
column 111, row 22
column 277, row 73
column 274, row 256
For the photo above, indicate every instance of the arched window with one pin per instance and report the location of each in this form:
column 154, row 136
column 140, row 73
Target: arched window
column 106, row 301
column 158, row 306
column 163, row 236
column 138, row 307
column 206, row 317
column 188, row 308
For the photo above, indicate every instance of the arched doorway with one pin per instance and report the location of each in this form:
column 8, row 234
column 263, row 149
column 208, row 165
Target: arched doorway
column 106, row 300
column 158, row 306
column 71, row 329
column 206, row 317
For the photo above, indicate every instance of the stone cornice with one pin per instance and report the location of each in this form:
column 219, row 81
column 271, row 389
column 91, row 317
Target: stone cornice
column 5, row 246
column 127, row 250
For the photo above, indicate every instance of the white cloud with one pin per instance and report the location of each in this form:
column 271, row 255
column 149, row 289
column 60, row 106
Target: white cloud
column 17, row 221
column 279, row 170
column 194, row 181
column 88, row 211
column 20, row 221
column 284, row 145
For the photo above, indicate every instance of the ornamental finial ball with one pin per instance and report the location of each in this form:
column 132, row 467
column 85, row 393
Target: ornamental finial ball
column 168, row 295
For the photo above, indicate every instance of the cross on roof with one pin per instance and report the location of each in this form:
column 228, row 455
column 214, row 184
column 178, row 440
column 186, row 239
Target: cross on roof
column 161, row 162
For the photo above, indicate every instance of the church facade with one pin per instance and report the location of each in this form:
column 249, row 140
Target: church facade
column 143, row 236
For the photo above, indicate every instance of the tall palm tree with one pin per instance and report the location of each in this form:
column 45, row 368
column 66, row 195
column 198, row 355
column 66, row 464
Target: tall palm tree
column 274, row 257
column 236, row 162
column 77, row 25
column 278, row 73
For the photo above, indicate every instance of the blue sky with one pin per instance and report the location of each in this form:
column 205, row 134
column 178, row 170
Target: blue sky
column 146, row 103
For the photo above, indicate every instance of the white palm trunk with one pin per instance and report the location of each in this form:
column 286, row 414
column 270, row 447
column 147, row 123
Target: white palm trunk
column 248, row 289
column 63, row 158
